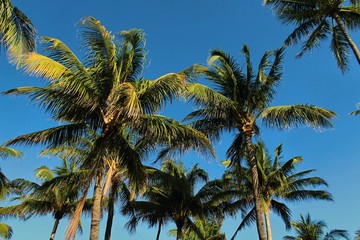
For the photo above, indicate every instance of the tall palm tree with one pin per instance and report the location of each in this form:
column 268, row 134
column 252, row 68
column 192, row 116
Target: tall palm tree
column 316, row 20
column 108, row 94
column 172, row 196
column 308, row 229
column 45, row 198
column 277, row 182
column 5, row 188
column 17, row 33
column 240, row 101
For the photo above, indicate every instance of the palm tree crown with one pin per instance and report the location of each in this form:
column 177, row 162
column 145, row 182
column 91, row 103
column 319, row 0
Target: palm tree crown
column 308, row 229
column 277, row 182
column 316, row 20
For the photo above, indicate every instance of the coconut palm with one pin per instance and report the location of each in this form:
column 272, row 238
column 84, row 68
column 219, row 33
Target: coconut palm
column 308, row 229
column 108, row 94
column 278, row 182
column 209, row 228
column 317, row 20
column 47, row 198
column 172, row 197
column 17, row 33
column 5, row 188
column 240, row 101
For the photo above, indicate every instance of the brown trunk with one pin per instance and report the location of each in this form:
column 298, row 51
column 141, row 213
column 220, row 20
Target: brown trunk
column 255, row 178
column 96, row 209
column 353, row 46
column 268, row 226
column 110, row 213
column 53, row 232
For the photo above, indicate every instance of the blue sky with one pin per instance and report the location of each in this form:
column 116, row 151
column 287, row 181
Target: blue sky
column 179, row 34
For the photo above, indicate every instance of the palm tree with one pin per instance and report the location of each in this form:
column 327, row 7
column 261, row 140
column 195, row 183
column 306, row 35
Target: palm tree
column 277, row 181
column 17, row 33
column 240, row 100
column 5, row 188
column 107, row 94
column 47, row 198
column 316, row 20
column 209, row 228
column 307, row 229
column 171, row 196
column 357, row 233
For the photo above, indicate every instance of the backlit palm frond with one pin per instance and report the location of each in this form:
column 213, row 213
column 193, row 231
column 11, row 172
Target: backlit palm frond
column 9, row 152
column 154, row 94
column 340, row 48
column 133, row 54
column 5, row 231
column 41, row 66
column 284, row 117
column 173, row 135
column 99, row 45
column 17, row 32
column 205, row 96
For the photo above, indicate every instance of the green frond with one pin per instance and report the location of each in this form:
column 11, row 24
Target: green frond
column 340, row 48
column 284, row 117
column 9, row 152
column 52, row 137
column 44, row 173
column 41, row 66
column 17, row 33
column 5, row 231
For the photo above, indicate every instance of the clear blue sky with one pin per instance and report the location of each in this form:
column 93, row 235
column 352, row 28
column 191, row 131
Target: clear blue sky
column 179, row 34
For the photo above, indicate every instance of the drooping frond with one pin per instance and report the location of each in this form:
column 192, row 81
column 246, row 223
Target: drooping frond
column 9, row 152
column 53, row 136
column 284, row 117
column 5, row 231
column 17, row 33
column 340, row 48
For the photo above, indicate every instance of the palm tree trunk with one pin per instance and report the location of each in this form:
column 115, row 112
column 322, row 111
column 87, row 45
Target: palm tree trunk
column 179, row 226
column 268, row 226
column 159, row 230
column 96, row 209
column 352, row 44
column 110, row 213
column 53, row 232
column 255, row 179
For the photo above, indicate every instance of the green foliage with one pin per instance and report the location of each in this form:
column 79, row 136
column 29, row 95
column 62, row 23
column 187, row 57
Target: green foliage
column 308, row 229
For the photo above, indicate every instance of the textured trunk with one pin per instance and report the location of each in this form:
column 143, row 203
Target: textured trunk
column 53, row 232
column 110, row 213
column 158, row 232
column 255, row 178
column 352, row 44
column 268, row 226
column 96, row 209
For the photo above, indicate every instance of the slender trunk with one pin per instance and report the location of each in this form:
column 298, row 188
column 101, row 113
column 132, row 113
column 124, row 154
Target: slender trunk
column 268, row 226
column 255, row 179
column 159, row 230
column 96, row 209
column 53, row 232
column 179, row 227
column 352, row 44
column 110, row 213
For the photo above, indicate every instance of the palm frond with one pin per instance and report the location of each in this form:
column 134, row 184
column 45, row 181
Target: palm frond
column 284, row 117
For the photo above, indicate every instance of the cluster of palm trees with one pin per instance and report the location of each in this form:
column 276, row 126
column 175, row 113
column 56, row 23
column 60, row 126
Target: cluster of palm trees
column 109, row 125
